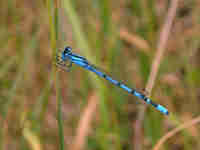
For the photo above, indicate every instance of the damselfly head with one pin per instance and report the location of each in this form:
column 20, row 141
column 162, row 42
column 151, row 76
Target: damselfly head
column 67, row 50
column 65, row 53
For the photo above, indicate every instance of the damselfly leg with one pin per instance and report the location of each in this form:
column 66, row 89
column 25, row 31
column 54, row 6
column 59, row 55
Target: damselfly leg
column 63, row 64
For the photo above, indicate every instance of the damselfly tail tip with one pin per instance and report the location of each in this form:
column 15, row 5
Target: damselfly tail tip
column 163, row 110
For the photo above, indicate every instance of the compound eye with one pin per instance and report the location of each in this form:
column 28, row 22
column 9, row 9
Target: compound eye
column 67, row 50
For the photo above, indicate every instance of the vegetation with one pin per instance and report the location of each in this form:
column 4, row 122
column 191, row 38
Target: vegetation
column 44, row 107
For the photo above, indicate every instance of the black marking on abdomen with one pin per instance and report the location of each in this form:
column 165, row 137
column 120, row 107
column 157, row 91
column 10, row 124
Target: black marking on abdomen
column 145, row 99
column 118, row 84
column 104, row 76
column 154, row 104
column 133, row 92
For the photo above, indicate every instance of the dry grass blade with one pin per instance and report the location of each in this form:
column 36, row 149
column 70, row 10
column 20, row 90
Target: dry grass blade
column 135, row 40
column 176, row 130
column 164, row 35
column 85, row 123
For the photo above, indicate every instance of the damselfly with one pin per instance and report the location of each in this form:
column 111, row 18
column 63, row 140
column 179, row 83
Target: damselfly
column 67, row 56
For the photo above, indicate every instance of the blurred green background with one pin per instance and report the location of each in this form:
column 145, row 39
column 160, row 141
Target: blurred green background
column 41, row 106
